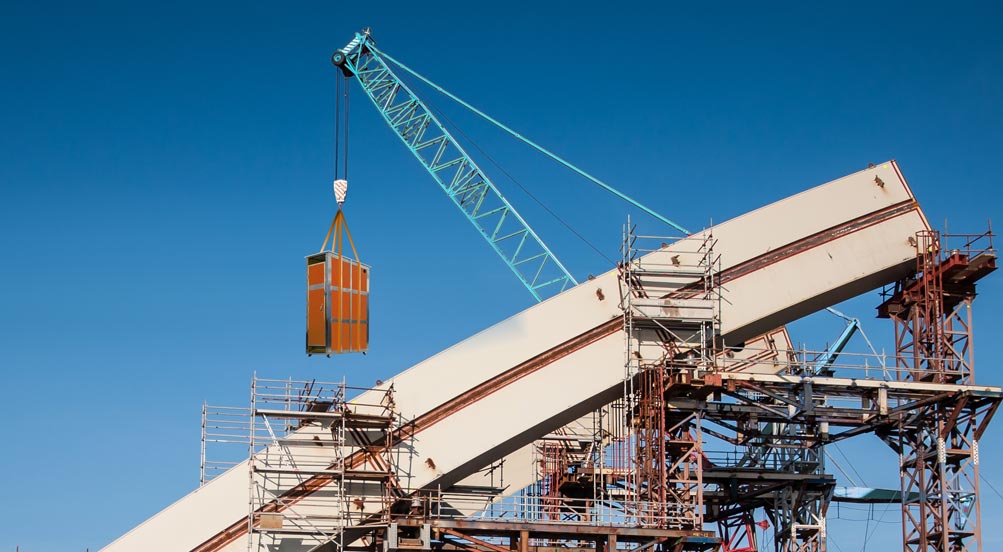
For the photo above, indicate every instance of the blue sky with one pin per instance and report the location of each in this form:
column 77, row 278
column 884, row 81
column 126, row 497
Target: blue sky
column 166, row 168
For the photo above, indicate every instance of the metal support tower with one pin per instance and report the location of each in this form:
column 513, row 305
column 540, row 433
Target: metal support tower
column 938, row 445
column 671, row 319
column 798, row 510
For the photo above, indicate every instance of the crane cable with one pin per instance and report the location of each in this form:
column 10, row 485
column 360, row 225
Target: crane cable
column 527, row 141
column 849, row 463
column 339, row 226
column 337, row 123
column 841, row 470
column 341, row 106
column 986, row 481
column 346, row 106
column 519, row 184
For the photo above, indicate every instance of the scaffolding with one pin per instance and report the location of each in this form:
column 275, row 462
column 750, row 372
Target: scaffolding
column 319, row 462
column 640, row 473
column 671, row 307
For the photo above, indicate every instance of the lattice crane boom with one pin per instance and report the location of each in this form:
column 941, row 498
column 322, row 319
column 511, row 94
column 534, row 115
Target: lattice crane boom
column 457, row 174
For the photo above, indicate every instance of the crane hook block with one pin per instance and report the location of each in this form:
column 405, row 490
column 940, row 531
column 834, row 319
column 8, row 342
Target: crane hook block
column 340, row 191
column 337, row 296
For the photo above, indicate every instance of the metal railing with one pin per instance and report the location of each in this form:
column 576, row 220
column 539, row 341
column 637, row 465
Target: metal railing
column 225, row 438
column 526, row 507
column 800, row 362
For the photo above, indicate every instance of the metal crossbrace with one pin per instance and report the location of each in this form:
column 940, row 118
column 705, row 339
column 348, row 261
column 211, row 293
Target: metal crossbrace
column 457, row 174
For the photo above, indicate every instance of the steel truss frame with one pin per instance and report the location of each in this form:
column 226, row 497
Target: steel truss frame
column 929, row 411
column 738, row 533
column 681, row 387
column 938, row 445
column 795, row 492
column 469, row 187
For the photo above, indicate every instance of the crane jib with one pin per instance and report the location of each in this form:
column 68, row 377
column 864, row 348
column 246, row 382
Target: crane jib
column 470, row 189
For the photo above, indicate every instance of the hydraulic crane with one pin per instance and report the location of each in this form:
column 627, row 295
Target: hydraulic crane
column 469, row 187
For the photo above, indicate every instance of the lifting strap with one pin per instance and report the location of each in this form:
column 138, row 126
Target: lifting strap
column 337, row 225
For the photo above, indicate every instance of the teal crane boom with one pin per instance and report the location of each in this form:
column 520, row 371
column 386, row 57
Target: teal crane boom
column 828, row 358
column 464, row 182
column 470, row 189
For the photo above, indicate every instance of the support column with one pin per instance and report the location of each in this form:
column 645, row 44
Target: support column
column 938, row 444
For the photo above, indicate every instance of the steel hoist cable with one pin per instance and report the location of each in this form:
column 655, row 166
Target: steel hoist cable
column 339, row 225
column 508, row 175
column 527, row 141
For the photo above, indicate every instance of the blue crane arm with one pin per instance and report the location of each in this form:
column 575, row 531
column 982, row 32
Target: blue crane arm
column 464, row 182
column 827, row 358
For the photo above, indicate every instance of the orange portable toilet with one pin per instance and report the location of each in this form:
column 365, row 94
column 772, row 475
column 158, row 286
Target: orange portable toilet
column 337, row 297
